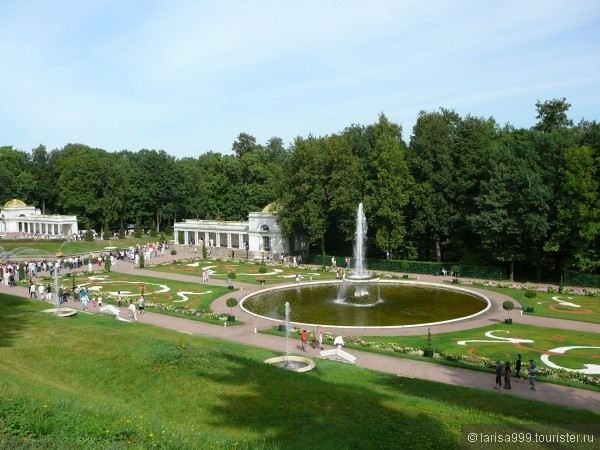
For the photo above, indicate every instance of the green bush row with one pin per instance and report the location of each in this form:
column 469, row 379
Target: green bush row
column 581, row 279
column 435, row 268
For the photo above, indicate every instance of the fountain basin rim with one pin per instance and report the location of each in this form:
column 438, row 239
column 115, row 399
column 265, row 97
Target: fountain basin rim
column 310, row 364
column 419, row 283
column 61, row 311
column 352, row 279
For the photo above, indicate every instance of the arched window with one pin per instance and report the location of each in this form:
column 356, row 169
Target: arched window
column 264, row 228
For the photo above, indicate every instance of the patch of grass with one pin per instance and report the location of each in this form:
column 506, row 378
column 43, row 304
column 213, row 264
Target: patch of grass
column 471, row 355
column 545, row 306
column 245, row 272
column 157, row 291
column 94, row 383
column 47, row 248
column 543, row 339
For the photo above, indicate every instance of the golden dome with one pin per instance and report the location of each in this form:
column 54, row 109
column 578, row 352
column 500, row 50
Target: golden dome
column 14, row 203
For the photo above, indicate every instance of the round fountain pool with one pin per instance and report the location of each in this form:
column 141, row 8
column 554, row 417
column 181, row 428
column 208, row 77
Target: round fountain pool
column 292, row 362
column 396, row 304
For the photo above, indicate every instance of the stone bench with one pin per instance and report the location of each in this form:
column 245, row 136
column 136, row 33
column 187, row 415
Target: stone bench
column 338, row 355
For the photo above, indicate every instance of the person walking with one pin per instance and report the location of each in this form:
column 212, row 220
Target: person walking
column 83, row 295
column 339, row 342
column 319, row 336
column 518, row 368
column 303, row 339
column 141, row 305
column 532, row 374
column 131, row 308
column 507, row 374
column 499, row 370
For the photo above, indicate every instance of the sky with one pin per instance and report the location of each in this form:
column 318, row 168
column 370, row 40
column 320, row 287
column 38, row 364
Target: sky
column 188, row 77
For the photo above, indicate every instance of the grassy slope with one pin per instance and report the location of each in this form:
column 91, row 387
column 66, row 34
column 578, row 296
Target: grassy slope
column 93, row 382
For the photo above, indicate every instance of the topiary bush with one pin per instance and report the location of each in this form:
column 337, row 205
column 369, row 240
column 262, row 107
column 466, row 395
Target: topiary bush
column 231, row 303
column 508, row 306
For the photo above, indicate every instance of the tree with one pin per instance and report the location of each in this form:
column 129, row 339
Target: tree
column 253, row 176
column 213, row 186
column 346, row 187
column 17, row 181
column 576, row 232
column 552, row 114
column 476, row 141
column 82, row 192
column 45, row 179
column 508, row 306
column 113, row 200
column 245, row 143
column 388, row 187
column 302, row 191
column 231, row 303
column 155, row 186
column 432, row 166
column 191, row 174
column 513, row 205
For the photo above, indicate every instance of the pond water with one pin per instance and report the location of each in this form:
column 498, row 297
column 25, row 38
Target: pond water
column 394, row 304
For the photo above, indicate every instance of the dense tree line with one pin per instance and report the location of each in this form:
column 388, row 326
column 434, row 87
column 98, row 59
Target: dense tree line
column 461, row 189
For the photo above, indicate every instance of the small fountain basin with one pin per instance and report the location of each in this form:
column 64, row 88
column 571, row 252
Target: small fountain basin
column 61, row 312
column 291, row 362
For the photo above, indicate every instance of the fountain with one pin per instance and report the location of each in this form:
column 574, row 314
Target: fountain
column 290, row 362
column 354, row 290
column 360, row 236
column 364, row 301
column 59, row 311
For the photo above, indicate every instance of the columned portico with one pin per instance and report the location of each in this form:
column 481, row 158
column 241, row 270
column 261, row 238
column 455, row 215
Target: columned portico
column 20, row 221
column 260, row 236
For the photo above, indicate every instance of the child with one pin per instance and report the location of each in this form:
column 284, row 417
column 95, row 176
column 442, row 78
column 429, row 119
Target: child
column 303, row 339
column 141, row 304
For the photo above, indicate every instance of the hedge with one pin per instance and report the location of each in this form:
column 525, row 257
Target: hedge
column 434, row 268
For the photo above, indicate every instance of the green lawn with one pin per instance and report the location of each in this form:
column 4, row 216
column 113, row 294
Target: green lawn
column 546, row 304
column 544, row 339
column 47, row 248
column 92, row 382
column 245, row 272
column 161, row 295
column 482, row 355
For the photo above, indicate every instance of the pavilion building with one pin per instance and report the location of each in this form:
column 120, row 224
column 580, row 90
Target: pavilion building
column 259, row 237
column 19, row 221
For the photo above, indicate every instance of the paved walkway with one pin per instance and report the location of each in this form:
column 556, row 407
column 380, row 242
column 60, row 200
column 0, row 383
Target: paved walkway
column 248, row 334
